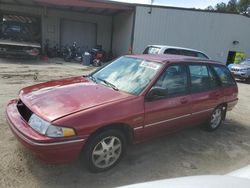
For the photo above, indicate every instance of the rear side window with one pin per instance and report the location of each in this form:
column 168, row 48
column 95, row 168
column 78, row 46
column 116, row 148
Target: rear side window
column 201, row 55
column 214, row 80
column 200, row 80
column 224, row 75
column 172, row 51
column 188, row 53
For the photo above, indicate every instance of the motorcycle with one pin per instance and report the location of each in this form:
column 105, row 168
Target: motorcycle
column 72, row 53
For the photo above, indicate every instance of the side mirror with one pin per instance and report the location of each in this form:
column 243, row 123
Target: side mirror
column 156, row 93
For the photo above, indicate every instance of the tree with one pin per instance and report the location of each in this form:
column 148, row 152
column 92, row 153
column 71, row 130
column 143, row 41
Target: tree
column 221, row 7
column 210, row 8
column 240, row 6
column 244, row 6
column 232, row 6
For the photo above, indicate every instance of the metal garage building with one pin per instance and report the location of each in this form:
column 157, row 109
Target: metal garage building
column 120, row 27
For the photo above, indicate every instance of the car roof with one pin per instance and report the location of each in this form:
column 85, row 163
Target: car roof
column 175, row 47
column 163, row 58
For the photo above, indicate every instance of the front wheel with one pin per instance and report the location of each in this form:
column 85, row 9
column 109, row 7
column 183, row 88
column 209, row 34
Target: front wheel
column 215, row 119
column 104, row 151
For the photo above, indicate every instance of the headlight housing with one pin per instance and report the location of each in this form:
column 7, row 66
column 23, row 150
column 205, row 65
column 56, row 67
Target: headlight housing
column 45, row 128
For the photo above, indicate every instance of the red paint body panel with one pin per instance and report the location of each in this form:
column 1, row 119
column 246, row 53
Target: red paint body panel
column 55, row 99
column 39, row 144
column 86, row 106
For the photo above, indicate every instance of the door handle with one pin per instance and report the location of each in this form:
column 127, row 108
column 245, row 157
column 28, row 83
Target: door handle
column 184, row 100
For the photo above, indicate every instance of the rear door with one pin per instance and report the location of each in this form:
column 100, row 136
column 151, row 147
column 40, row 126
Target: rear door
column 205, row 90
column 229, row 88
column 171, row 112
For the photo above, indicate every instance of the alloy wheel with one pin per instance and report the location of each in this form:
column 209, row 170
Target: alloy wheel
column 107, row 152
column 216, row 118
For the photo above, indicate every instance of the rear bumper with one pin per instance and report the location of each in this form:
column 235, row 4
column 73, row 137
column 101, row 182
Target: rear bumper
column 47, row 149
column 231, row 104
column 19, row 54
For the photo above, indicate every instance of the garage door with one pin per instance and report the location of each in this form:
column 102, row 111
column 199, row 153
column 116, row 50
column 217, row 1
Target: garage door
column 81, row 32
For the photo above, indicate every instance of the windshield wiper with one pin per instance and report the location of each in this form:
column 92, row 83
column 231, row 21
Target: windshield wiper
column 108, row 84
column 92, row 78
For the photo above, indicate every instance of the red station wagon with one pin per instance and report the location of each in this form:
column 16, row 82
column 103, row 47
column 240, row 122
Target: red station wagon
column 130, row 100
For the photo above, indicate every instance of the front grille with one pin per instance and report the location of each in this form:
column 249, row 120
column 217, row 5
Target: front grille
column 24, row 110
column 235, row 69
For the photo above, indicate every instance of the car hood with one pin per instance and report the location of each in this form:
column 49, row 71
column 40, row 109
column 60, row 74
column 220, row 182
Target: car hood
column 240, row 66
column 56, row 99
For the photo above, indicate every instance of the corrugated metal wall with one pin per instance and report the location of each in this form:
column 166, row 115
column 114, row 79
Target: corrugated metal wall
column 51, row 25
column 122, row 31
column 212, row 33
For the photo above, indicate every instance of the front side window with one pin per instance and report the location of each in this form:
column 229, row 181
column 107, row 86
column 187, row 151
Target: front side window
column 128, row 74
column 200, row 80
column 224, row 75
column 173, row 80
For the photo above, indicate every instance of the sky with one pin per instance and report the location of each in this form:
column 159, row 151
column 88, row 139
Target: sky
column 180, row 3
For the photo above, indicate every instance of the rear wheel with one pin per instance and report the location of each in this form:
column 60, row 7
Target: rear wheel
column 215, row 119
column 104, row 151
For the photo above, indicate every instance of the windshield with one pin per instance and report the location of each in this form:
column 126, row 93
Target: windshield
column 246, row 62
column 127, row 74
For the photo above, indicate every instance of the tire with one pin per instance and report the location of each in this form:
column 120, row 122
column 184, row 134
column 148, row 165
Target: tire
column 215, row 119
column 99, row 155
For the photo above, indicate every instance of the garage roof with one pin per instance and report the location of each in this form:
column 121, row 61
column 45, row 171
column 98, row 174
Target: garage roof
column 87, row 6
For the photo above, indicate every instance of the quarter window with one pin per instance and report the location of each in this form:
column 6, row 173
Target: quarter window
column 224, row 75
column 174, row 80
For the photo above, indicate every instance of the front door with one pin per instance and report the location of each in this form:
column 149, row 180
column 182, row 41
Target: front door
column 168, row 112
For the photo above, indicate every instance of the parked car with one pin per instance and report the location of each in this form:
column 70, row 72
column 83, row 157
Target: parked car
column 17, row 39
column 241, row 70
column 130, row 100
column 19, row 49
column 174, row 50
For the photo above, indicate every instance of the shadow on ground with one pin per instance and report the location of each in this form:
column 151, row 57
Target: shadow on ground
column 192, row 152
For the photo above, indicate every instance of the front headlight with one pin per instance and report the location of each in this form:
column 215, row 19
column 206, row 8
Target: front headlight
column 45, row 128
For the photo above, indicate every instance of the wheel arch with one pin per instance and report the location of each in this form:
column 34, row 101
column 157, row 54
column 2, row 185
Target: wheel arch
column 224, row 108
column 123, row 127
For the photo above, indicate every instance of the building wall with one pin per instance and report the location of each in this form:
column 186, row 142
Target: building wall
column 50, row 19
column 51, row 25
column 212, row 33
column 122, row 32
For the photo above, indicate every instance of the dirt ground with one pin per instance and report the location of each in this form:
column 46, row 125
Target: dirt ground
column 190, row 152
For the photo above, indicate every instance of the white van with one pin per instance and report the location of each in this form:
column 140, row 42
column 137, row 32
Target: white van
column 162, row 49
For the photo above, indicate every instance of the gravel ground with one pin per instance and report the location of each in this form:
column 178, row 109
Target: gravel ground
column 189, row 152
